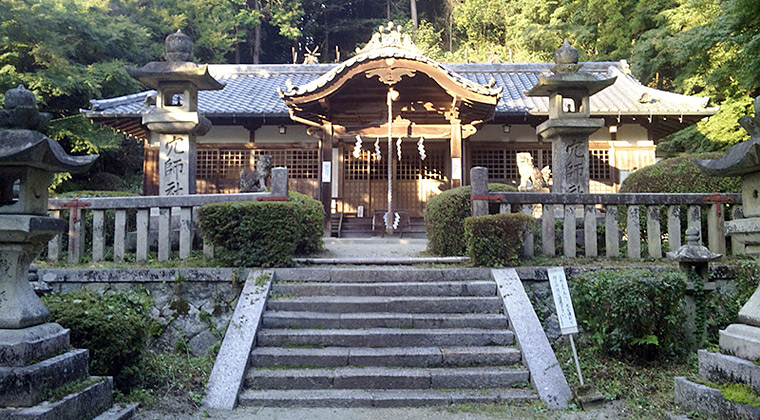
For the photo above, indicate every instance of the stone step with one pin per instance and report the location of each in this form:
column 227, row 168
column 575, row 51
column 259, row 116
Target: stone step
column 386, row 356
column 298, row 319
column 378, row 275
column 384, row 337
column 722, row 368
column 379, row 398
column 84, row 404
column 29, row 385
column 386, row 378
column 118, row 412
column 343, row 304
column 449, row 288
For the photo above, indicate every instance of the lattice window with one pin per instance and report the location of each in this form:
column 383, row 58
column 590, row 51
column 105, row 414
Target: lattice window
column 493, row 159
column 433, row 166
column 232, row 161
column 599, row 165
column 355, row 168
column 408, row 167
column 301, row 163
column 546, row 158
column 208, row 167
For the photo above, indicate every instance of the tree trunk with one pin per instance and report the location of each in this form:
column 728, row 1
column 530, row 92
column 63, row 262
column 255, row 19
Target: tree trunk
column 257, row 35
column 388, row 9
column 413, row 8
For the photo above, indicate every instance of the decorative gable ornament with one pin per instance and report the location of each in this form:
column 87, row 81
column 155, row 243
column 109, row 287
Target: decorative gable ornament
column 389, row 36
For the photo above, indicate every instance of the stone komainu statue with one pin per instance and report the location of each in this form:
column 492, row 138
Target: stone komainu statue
column 256, row 180
column 531, row 178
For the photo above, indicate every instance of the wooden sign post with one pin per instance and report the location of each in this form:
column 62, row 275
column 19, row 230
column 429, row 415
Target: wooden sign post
column 565, row 313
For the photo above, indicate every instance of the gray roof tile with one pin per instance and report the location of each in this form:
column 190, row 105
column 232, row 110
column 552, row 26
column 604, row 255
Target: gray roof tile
column 253, row 90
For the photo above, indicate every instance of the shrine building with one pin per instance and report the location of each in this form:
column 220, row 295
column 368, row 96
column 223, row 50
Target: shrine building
column 330, row 125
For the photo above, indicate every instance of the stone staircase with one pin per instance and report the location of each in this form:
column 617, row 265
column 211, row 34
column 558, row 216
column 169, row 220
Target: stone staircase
column 383, row 340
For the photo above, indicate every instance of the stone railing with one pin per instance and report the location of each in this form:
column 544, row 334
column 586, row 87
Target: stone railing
column 587, row 209
column 145, row 210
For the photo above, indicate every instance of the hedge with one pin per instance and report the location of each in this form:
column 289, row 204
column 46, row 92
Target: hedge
column 495, row 240
column 112, row 327
column 633, row 313
column 263, row 233
column 444, row 219
column 679, row 175
column 312, row 215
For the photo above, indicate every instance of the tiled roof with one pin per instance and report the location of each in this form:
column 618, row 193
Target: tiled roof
column 252, row 90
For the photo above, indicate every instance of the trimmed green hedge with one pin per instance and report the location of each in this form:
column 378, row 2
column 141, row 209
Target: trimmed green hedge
column 112, row 327
column 679, row 175
column 263, row 233
column 312, row 219
column 633, row 313
column 444, row 219
column 496, row 240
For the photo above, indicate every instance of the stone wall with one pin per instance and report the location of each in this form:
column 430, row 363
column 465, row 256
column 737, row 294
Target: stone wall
column 196, row 304
column 191, row 304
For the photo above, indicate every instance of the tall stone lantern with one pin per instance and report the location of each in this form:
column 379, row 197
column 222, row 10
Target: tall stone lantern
column 35, row 358
column 176, row 119
column 737, row 362
column 569, row 124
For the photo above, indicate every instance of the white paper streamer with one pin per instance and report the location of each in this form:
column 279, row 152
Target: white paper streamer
column 421, row 148
column 396, row 219
column 398, row 148
column 377, row 149
column 358, row 147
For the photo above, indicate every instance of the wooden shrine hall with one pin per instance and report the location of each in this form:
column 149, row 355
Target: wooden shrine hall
column 390, row 119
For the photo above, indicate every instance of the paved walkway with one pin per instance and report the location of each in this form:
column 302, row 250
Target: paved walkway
column 611, row 411
column 373, row 247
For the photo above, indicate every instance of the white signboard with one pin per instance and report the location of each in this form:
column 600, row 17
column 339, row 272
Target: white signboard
column 326, row 171
column 562, row 301
column 456, row 168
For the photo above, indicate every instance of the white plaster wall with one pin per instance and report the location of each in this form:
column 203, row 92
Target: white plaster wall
column 271, row 134
column 225, row 134
column 632, row 132
column 495, row 132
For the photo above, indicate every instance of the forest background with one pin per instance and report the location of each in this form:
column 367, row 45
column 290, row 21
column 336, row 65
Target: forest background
column 71, row 51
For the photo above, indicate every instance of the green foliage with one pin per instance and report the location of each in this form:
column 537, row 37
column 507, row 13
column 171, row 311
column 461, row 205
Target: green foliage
column 112, row 327
column 678, row 175
column 636, row 313
column 312, row 218
column 253, row 234
column 496, row 240
column 740, row 393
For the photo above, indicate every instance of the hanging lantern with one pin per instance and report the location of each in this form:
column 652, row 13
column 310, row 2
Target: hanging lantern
column 421, row 148
column 358, row 147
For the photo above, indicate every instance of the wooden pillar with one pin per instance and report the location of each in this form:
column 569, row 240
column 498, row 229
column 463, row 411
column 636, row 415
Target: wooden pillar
column 325, row 173
column 456, row 154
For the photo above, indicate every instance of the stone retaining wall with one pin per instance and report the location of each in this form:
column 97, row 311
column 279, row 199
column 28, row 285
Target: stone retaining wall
column 192, row 304
column 195, row 304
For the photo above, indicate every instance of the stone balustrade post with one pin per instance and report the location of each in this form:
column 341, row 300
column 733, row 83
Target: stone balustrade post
column 479, row 187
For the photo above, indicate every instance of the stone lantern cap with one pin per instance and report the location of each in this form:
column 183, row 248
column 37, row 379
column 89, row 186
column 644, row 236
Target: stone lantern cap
column 693, row 251
column 566, row 76
column 177, row 68
column 20, row 146
column 742, row 158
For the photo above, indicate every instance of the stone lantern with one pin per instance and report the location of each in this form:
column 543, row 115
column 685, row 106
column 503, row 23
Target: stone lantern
column 176, row 119
column 35, row 357
column 739, row 342
column 569, row 124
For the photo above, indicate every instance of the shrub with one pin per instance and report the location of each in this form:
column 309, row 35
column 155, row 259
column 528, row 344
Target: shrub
column 635, row 313
column 312, row 218
column 112, row 327
column 253, row 233
column 444, row 219
column 495, row 240
column 679, row 175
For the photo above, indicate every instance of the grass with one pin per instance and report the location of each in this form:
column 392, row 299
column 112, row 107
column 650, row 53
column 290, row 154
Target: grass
column 645, row 388
column 173, row 381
